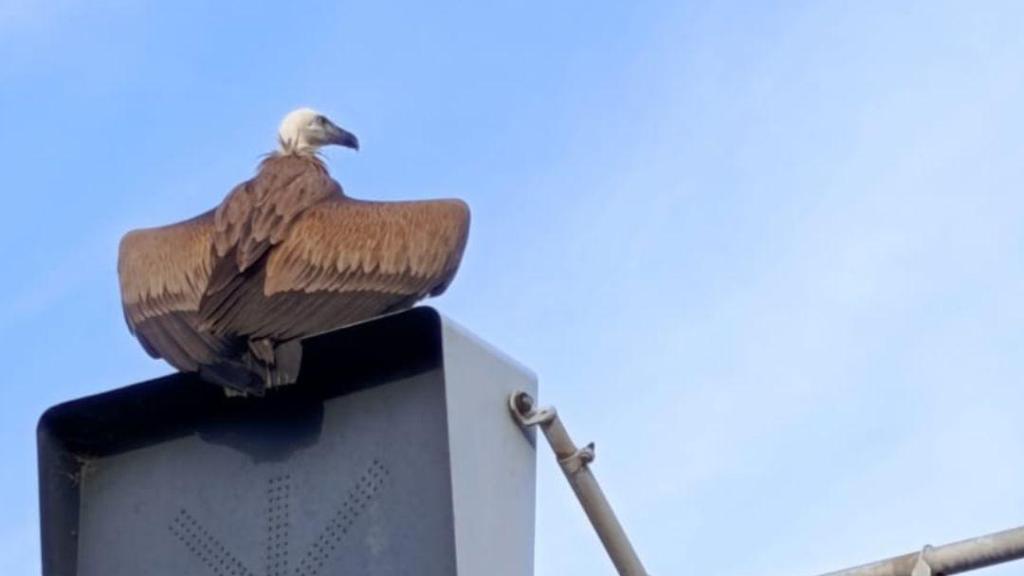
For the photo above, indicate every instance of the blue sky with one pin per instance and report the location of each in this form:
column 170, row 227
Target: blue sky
column 767, row 255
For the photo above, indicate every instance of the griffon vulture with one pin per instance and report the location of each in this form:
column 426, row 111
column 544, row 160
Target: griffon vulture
column 286, row 254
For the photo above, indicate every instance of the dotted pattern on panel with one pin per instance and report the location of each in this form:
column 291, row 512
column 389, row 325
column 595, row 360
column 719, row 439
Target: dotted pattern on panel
column 212, row 553
column 278, row 522
column 205, row 547
column 358, row 498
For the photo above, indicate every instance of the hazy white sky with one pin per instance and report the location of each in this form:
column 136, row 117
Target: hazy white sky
column 767, row 255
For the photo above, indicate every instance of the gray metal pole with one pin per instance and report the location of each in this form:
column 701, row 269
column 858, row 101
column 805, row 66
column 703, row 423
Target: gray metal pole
column 575, row 465
column 948, row 559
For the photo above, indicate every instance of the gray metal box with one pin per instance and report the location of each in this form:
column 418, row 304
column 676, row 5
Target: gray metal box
column 392, row 455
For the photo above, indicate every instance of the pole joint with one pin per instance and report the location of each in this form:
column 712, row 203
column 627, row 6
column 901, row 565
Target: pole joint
column 578, row 459
column 921, row 566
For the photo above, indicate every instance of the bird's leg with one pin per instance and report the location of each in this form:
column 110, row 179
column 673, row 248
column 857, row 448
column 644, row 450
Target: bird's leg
column 263, row 350
column 279, row 362
column 287, row 362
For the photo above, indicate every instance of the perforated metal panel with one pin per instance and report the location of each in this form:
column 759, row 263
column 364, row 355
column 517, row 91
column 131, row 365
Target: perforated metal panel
column 349, row 471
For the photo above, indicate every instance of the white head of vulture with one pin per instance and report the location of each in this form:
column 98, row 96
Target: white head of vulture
column 306, row 130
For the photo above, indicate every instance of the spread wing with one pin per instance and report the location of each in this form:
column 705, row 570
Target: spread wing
column 345, row 260
column 163, row 273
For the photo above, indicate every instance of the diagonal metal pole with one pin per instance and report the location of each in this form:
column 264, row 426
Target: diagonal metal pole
column 945, row 560
column 954, row 558
column 575, row 465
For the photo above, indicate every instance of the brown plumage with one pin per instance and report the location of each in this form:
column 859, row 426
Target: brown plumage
column 285, row 255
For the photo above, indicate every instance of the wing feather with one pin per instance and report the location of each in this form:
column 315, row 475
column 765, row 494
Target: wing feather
column 343, row 261
column 165, row 269
column 163, row 273
column 258, row 212
column 345, row 245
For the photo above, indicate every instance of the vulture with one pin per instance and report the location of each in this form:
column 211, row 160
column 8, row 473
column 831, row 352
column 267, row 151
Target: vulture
column 285, row 255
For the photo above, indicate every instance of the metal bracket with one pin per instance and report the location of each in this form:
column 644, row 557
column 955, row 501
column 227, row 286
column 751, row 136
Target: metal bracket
column 526, row 413
column 921, row 567
column 578, row 459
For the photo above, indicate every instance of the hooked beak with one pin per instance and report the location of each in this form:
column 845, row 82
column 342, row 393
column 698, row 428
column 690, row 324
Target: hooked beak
column 341, row 137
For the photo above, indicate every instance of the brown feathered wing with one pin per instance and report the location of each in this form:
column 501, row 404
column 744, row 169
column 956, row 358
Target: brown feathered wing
column 286, row 255
column 343, row 261
column 163, row 273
